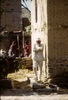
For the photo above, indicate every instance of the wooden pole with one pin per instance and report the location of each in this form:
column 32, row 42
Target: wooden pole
column 23, row 42
column 18, row 40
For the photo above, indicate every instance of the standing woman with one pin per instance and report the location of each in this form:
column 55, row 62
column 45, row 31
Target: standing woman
column 26, row 49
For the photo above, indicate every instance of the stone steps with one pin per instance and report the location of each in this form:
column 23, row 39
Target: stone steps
column 6, row 84
column 42, row 87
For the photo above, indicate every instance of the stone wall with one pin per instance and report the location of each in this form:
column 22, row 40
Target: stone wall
column 57, row 37
column 11, row 17
column 52, row 27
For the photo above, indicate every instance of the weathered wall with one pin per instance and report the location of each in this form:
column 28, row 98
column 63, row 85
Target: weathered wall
column 57, row 37
column 52, row 27
column 11, row 17
column 38, row 24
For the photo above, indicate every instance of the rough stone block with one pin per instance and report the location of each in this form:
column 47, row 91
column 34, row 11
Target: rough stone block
column 6, row 84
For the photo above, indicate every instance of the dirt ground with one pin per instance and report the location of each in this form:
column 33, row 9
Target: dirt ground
column 23, row 91
column 20, row 94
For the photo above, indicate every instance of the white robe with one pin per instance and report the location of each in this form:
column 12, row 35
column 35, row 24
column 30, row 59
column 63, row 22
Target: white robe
column 38, row 52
